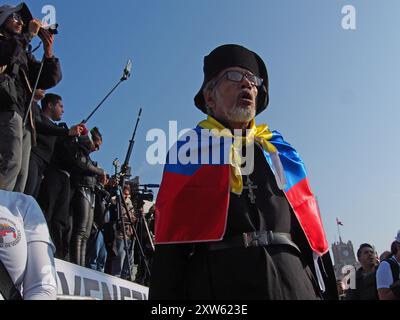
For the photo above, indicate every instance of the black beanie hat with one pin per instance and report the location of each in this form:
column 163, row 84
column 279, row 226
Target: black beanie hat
column 228, row 56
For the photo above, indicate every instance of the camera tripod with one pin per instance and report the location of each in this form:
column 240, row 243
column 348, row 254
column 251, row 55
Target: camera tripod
column 145, row 238
column 120, row 205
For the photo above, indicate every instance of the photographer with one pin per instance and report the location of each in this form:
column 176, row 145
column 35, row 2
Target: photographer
column 142, row 275
column 387, row 276
column 145, row 234
column 18, row 73
column 96, row 255
column 84, row 174
column 120, row 265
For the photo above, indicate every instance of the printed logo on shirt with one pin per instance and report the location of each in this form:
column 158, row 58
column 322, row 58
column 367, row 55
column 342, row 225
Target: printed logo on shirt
column 10, row 236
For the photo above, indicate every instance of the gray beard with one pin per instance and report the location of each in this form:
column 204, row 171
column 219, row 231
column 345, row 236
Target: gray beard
column 239, row 114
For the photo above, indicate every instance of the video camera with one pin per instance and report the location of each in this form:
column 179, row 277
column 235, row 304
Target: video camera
column 140, row 193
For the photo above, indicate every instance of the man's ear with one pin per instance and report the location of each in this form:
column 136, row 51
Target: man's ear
column 209, row 98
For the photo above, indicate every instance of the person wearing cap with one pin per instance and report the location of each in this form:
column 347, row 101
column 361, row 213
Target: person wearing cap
column 17, row 29
column 387, row 275
column 243, row 225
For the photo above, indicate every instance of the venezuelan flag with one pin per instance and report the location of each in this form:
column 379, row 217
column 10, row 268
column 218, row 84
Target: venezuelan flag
column 193, row 201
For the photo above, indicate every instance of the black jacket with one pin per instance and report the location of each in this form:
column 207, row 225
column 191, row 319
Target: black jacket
column 14, row 51
column 82, row 168
column 47, row 135
column 192, row 271
column 365, row 287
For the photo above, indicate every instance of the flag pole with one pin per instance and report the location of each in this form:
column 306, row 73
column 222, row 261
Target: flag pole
column 338, row 228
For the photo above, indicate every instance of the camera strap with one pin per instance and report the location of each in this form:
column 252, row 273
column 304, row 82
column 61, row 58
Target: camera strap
column 31, row 51
column 7, row 287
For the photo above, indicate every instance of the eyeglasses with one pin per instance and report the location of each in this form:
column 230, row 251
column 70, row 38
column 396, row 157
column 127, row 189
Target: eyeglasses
column 238, row 76
column 17, row 18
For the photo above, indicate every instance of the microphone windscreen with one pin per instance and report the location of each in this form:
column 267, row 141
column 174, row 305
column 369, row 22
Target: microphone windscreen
column 85, row 131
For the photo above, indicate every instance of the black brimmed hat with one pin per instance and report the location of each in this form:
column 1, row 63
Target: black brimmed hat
column 23, row 10
column 232, row 55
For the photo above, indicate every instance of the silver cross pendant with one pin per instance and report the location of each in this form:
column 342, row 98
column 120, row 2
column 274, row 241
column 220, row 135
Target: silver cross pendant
column 251, row 187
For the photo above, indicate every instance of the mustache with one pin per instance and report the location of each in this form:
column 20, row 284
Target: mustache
column 245, row 94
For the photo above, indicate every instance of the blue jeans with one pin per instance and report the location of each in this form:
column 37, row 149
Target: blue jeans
column 120, row 266
column 97, row 253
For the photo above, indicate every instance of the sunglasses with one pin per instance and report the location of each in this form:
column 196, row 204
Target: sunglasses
column 238, row 76
column 17, row 18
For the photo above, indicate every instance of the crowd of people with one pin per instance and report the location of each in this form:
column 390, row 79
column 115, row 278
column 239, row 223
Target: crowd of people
column 45, row 159
column 220, row 232
column 377, row 278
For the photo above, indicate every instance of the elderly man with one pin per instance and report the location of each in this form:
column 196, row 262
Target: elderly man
column 19, row 67
column 234, row 229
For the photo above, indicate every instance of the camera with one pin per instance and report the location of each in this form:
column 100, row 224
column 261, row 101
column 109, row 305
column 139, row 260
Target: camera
column 140, row 193
column 144, row 195
column 53, row 29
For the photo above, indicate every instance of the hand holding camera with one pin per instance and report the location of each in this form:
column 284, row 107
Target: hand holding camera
column 34, row 27
column 48, row 40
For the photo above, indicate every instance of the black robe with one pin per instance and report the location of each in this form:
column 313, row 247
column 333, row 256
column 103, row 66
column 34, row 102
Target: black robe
column 279, row 272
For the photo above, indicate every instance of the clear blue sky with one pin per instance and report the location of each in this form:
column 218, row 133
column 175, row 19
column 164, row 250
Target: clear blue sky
column 334, row 92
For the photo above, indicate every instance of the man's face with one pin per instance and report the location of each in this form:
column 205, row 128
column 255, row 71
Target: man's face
column 367, row 257
column 127, row 193
column 14, row 24
column 96, row 145
column 233, row 101
column 57, row 111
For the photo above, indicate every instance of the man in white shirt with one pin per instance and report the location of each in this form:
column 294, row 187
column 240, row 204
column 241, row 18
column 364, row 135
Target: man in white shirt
column 26, row 249
column 387, row 276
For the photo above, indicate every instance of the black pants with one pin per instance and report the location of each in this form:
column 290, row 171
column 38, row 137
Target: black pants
column 82, row 222
column 15, row 150
column 54, row 199
column 37, row 167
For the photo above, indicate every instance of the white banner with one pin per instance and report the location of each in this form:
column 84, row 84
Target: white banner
column 73, row 280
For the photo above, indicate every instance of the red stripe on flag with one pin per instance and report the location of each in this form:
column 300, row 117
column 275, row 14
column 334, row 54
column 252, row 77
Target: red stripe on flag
column 193, row 208
column 306, row 209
